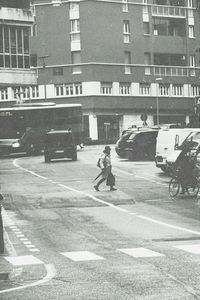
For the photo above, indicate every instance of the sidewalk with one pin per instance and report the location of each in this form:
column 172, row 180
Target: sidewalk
column 5, row 268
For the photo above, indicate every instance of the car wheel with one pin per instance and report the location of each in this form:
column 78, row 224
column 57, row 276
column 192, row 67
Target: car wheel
column 74, row 157
column 47, row 159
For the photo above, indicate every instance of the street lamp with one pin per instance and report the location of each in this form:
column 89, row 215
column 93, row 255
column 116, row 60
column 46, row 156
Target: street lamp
column 157, row 102
column 44, row 66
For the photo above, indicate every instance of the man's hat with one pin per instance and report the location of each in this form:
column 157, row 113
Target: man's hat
column 107, row 148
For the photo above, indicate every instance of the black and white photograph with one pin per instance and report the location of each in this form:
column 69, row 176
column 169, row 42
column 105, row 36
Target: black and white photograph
column 99, row 149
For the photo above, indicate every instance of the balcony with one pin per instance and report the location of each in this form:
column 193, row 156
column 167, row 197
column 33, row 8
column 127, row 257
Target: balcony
column 168, row 11
column 17, row 76
column 171, row 71
column 16, row 14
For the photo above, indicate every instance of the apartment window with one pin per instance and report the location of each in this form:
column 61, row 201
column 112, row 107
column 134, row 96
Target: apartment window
column 126, row 32
column 124, row 88
column 192, row 65
column 147, row 61
column 191, row 31
column 177, row 90
column 195, row 90
column 35, row 91
column 125, row 5
column 76, row 60
column 127, row 62
column 14, row 47
column 21, row 93
column 106, row 88
column 163, row 89
column 145, row 88
column 78, row 88
column 146, row 27
column 59, row 90
column 58, row 71
column 68, row 89
column 145, row 6
column 190, row 8
column 74, row 6
column 75, row 25
column 3, row 93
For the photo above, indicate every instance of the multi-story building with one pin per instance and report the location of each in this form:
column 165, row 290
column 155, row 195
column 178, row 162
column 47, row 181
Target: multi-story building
column 16, row 21
column 123, row 60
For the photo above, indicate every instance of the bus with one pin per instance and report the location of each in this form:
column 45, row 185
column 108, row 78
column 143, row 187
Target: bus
column 23, row 126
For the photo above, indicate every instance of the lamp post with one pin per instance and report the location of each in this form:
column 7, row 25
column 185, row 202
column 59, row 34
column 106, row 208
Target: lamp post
column 157, row 101
column 44, row 66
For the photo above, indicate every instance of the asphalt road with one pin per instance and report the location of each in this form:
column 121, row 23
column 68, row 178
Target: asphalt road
column 71, row 242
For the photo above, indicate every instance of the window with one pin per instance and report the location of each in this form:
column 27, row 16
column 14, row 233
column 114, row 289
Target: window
column 74, row 6
column 195, row 90
column 124, row 88
column 163, row 89
column 3, row 93
column 126, row 32
column 127, row 62
column 58, row 71
column 75, row 25
column 68, row 89
column 191, row 31
column 106, row 88
column 14, row 46
column 177, row 90
column 35, row 91
column 21, row 92
column 145, row 88
column 125, row 5
column 145, row 6
column 146, row 29
column 147, row 61
column 192, row 65
column 76, row 60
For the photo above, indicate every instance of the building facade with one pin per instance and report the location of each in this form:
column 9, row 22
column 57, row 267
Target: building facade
column 127, row 62
column 16, row 21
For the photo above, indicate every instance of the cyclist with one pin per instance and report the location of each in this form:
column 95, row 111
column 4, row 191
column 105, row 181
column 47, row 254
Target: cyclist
column 185, row 166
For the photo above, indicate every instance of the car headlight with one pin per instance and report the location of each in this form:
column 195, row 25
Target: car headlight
column 16, row 145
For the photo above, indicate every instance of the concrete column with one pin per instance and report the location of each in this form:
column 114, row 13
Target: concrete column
column 93, row 129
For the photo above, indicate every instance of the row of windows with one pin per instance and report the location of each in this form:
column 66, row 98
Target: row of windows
column 106, row 88
column 14, row 47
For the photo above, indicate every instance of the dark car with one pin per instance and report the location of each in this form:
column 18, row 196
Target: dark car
column 59, row 144
column 121, row 143
column 141, row 145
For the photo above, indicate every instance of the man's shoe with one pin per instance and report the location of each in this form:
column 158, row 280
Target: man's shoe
column 113, row 189
column 96, row 188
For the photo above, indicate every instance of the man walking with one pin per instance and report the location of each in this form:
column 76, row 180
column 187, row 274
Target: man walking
column 105, row 165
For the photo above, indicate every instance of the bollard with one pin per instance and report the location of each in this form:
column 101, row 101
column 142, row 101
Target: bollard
column 1, row 228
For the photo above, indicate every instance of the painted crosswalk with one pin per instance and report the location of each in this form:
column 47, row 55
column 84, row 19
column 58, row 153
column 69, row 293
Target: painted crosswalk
column 85, row 255
column 81, row 255
column 23, row 260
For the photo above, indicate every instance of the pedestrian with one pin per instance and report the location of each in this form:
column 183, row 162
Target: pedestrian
column 106, row 167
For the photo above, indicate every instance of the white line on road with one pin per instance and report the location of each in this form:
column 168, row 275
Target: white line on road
column 168, row 225
column 112, row 205
column 51, row 272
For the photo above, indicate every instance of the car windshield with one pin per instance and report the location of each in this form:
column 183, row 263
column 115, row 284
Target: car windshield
column 59, row 139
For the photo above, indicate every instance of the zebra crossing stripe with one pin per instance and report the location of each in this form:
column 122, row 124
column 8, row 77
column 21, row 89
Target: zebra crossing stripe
column 140, row 252
column 23, row 260
column 190, row 248
column 81, row 255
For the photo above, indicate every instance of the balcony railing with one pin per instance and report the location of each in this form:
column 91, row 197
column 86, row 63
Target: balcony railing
column 168, row 11
column 172, row 71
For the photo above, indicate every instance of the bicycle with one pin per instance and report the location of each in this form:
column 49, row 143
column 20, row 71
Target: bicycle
column 192, row 187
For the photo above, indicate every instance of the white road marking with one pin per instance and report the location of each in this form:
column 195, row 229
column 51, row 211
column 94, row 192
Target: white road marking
column 140, row 252
column 190, row 248
column 30, row 246
column 112, row 205
column 169, row 225
column 81, row 255
column 20, row 235
column 23, row 260
column 51, row 273
column 27, row 243
column 34, row 250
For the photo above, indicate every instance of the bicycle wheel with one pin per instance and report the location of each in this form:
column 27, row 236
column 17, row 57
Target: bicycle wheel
column 193, row 190
column 174, row 187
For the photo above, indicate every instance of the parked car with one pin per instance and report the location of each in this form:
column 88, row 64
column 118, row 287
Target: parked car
column 59, row 144
column 122, row 143
column 141, row 145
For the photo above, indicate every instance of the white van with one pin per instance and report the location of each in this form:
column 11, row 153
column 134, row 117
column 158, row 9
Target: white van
column 167, row 142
